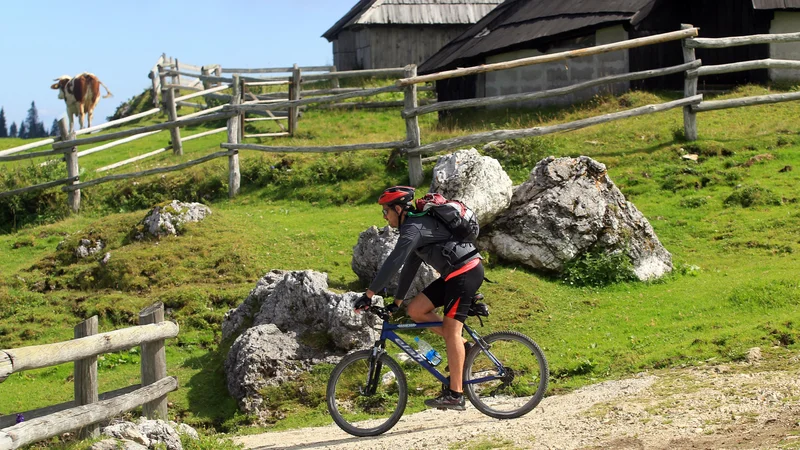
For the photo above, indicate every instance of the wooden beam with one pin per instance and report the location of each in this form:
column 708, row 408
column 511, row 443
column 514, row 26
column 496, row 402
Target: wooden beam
column 134, row 159
column 154, row 362
column 259, row 119
column 391, row 72
column 145, row 173
column 22, row 148
column 279, row 69
column 114, row 123
column 310, row 101
column 182, row 87
column 501, row 135
column 203, row 134
column 115, row 143
column 85, row 377
column 37, row 187
column 529, row 96
column 202, row 93
column 742, row 40
column 46, row 355
column 329, row 149
column 746, row 101
column 6, row 368
column 190, row 105
column 73, row 171
column 745, row 65
column 184, row 121
column 689, row 89
column 11, row 419
column 260, row 135
column 560, row 56
column 410, row 101
column 172, row 113
column 31, row 155
column 235, row 128
column 30, row 431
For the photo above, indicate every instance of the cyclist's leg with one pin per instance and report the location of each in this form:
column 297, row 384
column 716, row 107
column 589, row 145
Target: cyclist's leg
column 421, row 307
column 455, row 351
column 459, row 292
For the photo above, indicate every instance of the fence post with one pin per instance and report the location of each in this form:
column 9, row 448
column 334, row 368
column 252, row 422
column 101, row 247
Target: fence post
column 689, row 90
column 154, row 362
column 172, row 113
column 71, row 158
column 177, row 72
column 156, row 80
column 218, row 73
column 294, row 94
column 415, row 175
column 334, row 80
column 85, row 375
column 235, row 123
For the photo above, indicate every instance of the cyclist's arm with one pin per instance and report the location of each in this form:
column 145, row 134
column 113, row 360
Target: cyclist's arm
column 409, row 237
column 407, row 275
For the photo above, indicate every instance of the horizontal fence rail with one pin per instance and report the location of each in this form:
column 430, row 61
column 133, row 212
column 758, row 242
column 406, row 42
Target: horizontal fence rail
column 623, row 45
column 329, row 149
column 742, row 40
column 282, row 69
column 500, row 135
column 37, row 187
column 47, row 355
column 744, row 66
column 528, row 96
column 309, row 101
column 31, row 431
column 746, row 101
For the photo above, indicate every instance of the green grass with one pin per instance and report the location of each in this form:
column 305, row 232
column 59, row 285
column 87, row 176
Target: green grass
column 730, row 220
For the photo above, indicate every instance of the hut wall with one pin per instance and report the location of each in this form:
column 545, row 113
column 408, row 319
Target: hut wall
column 398, row 46
column 547, row 76
column 785, row 22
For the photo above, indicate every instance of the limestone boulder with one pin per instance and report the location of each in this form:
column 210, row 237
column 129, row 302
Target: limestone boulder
column 478, row 181
column 169, row 219
column 567, row 207
column 373, row 247
column 290, row 322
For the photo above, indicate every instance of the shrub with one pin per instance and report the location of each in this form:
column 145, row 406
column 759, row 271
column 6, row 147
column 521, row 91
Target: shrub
column 42, row 206
column 753, row 196
column 599, row 267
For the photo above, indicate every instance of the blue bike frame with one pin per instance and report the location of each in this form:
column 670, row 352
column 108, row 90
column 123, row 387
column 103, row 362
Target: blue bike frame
column 387, row 332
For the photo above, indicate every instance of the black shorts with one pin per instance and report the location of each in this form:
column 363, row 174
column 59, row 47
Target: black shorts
column 456, row 293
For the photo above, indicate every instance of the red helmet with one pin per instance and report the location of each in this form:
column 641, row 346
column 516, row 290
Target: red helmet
column 397, row 195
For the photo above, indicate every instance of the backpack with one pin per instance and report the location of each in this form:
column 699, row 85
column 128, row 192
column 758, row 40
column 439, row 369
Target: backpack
column 456, row 216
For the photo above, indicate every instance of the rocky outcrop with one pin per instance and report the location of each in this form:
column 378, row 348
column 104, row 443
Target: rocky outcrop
column 151, row 434
column 169, row 218
column 289, row 323
column 567, row 207
column 372, row 249
column 478, row 181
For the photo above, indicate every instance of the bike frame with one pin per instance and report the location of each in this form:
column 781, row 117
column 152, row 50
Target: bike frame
column 388, row 333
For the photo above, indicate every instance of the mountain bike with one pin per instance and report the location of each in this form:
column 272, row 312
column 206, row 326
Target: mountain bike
column 505, row 376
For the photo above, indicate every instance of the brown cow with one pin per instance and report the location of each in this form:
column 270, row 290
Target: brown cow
column 81, row 95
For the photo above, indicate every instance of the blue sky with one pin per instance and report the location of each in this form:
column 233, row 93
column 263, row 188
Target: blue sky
column 120, row 41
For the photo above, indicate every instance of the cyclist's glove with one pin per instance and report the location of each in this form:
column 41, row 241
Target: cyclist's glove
column 363, row 303
column 392, row 308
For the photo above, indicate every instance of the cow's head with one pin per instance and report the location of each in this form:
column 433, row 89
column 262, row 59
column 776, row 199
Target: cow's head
column 59, row 84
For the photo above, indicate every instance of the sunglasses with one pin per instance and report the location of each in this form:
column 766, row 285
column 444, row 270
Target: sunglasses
column 386, row 211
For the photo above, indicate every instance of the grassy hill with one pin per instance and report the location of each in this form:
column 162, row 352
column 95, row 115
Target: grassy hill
column 731, row 221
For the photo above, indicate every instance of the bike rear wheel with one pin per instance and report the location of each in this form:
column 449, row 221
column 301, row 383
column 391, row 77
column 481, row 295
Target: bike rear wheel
column 524, row 383
column 361, row 409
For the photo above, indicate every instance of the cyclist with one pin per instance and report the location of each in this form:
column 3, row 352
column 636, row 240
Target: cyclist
column 425, row 238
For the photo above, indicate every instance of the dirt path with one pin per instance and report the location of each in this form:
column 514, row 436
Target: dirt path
column 749, row 405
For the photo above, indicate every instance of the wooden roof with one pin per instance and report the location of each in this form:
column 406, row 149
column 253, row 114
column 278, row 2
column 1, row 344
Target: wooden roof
column 776, row 4
column 529, row 22
column 412, row 12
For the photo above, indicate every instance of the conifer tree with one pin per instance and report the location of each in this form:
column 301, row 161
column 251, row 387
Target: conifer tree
column 3, row 128
column 12, row 132
column 34, row 127
column 23, row 131
column 54, row 129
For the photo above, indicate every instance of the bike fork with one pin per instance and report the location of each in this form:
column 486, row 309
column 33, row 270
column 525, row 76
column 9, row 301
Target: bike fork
column 375, row 366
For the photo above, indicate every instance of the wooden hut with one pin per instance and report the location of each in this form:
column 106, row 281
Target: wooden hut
column 523, row 28
column 393, row 33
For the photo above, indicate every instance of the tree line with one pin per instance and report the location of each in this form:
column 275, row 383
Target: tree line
column 29, row 128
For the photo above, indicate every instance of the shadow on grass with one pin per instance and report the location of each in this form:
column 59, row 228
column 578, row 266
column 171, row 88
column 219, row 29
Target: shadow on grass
column 208, row 396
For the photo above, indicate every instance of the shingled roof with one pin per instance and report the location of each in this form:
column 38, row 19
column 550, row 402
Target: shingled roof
column 412, row 12
column 528, row 22
column 776, row 4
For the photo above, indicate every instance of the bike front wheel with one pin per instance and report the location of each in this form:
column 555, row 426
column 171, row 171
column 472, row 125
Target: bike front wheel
column 366, row 397
column 518, row 389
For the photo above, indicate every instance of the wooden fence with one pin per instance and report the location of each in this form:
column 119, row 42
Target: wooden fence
column 690, row 87
column 412, row 146
column 90, row 408
column 286, row 106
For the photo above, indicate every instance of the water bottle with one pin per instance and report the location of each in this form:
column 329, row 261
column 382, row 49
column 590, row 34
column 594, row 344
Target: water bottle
column 427, row 351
